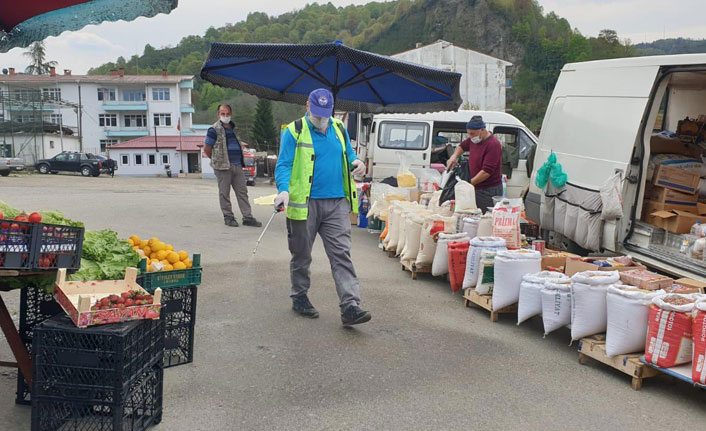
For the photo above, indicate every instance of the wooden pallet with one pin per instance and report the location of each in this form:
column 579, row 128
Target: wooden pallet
column 680, row 372
column 408, row 265
column 486, row 301
column 594, row 347
column 391, row 253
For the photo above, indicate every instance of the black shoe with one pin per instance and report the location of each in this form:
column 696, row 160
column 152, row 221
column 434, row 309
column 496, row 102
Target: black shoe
column 230, row 221
column 301, row 305
column 251, row 221
column 353, row 315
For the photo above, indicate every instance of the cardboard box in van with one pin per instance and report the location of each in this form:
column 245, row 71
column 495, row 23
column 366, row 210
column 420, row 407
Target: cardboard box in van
column 675, row 221
column 651, row 207
column 668, row 196
column 663, row 145
column 682, row 180
column 574, row 265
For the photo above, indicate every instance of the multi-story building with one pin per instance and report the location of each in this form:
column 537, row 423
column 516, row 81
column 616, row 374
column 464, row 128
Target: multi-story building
column 483, row 80
column 104, row 109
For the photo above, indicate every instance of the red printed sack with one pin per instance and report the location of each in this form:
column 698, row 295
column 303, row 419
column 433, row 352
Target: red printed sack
column 458, row 254
column 669, row 335
column 698, row 367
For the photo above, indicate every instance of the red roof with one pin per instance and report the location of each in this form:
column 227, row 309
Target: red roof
column 188, row 143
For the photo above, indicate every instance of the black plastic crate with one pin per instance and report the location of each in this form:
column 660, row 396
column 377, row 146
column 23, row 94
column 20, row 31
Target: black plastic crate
column 57, row 246
column 16, row 240
column 140, row 409
column 529, row 230
column 86, row 363
column 179, row 316
column 36, row 306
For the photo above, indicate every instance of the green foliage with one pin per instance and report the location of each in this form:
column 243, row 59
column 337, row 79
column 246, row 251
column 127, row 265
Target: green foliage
column 37, row 53
column 672, row 46
column 538, row 44
column 264, row 132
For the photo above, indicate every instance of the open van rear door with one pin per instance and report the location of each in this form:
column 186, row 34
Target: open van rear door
column 413, row 138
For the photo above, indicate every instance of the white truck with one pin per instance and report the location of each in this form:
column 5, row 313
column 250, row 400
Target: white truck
column 425, row 138
column 601, row 120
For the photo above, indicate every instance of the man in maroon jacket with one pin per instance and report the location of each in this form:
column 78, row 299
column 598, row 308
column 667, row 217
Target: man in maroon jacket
column 484, row 162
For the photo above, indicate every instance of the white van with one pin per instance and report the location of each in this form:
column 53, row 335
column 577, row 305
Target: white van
column 600, row 121
column 423, row 136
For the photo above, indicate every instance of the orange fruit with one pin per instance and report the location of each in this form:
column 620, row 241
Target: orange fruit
column 180, row 265
column 183, row 255
column 173, row 257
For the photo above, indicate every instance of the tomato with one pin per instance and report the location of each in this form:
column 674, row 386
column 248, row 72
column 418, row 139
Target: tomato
column 22, row 217
column 35, row 218
column 2, row 215
column 5, row 225
column 14, row 226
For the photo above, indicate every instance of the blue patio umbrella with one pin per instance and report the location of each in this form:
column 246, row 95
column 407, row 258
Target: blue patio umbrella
column 24, row 22
column 360, row 81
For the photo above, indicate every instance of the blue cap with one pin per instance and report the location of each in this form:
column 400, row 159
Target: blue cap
column 321, row 103
column 476, row 123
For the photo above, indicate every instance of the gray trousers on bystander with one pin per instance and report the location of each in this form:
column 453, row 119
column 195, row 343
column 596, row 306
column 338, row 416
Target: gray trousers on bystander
column 329, row 219
column 233, row 178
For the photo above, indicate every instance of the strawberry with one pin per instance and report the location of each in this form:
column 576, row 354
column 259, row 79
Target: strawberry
column 113, row 298
column 150, row 300
column 129, row 302
column 104, row 302
column 125, row 295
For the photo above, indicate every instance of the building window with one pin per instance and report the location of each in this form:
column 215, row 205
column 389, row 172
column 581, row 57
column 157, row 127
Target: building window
column 160, row 94
column 134, row 95
column 105, row 143
column 124, row 159
column 165, row 159
column 151, row 159
column 108, row 120
column 106, row 94
column 138, row 159
column 25, row 95
column 51, row 94
column 139, row 120
column 163, row 120
column 55, row 118
column 25, row 118
column 51, row 145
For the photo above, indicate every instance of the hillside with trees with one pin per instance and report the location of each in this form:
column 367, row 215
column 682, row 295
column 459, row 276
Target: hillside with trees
column 537, row 43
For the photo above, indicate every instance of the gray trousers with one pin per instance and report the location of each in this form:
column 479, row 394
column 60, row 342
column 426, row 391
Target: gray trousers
column 484, row 197
column 233, row 178
column 329, row 219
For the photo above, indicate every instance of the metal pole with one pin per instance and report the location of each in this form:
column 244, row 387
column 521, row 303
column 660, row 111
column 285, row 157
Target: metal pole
column 80, row 120
column 156, row 147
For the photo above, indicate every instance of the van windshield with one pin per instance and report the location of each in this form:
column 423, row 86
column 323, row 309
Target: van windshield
column 404, row 136
column 249, row 161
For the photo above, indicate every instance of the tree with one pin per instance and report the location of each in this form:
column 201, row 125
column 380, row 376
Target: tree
column 263, row 126
column 37, row 52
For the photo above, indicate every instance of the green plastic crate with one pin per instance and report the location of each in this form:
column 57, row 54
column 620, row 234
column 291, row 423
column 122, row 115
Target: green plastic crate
column 175, row 278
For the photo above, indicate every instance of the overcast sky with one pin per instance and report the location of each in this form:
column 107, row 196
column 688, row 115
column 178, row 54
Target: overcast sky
column 638, row 20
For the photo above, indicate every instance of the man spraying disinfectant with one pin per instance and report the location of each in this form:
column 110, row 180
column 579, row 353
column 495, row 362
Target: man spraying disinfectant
column 315, row 184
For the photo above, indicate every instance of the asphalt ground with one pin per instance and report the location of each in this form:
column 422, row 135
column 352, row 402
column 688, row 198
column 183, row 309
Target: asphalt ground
column 423, row 362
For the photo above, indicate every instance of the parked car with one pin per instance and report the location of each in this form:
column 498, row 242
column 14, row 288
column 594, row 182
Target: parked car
column 85, row 163
column 10, row 164
column 249, row 168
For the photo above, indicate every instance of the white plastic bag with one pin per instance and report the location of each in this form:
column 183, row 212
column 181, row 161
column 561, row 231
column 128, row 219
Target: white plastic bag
column 486, row 272
column 432, row 226
column 485, row 226
column 510, row 267
column 465, row 195
column 440, row 266
column 628, row 311
column 402, row 233
column 478, row 244
column 612, row 198
column 556, row 305
column 470, row 226
column 530, row 303
column 413, row 232
column 588, row 302
column 405, row 177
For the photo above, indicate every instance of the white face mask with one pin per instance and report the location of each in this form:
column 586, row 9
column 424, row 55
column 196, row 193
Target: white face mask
column 476, row 140
column 318, row 122
column 225, row 120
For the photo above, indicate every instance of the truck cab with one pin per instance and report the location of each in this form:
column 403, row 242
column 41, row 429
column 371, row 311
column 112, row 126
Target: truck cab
column 427, row 140
column 611, row 117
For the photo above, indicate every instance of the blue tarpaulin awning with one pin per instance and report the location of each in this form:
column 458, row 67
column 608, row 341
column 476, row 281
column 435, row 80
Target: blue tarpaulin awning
column 360, row 81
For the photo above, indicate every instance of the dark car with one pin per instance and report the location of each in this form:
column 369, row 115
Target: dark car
column 85, row 163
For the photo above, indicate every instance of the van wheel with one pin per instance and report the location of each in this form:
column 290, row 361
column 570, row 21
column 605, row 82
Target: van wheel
column 86, row 171
column 5, row 173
